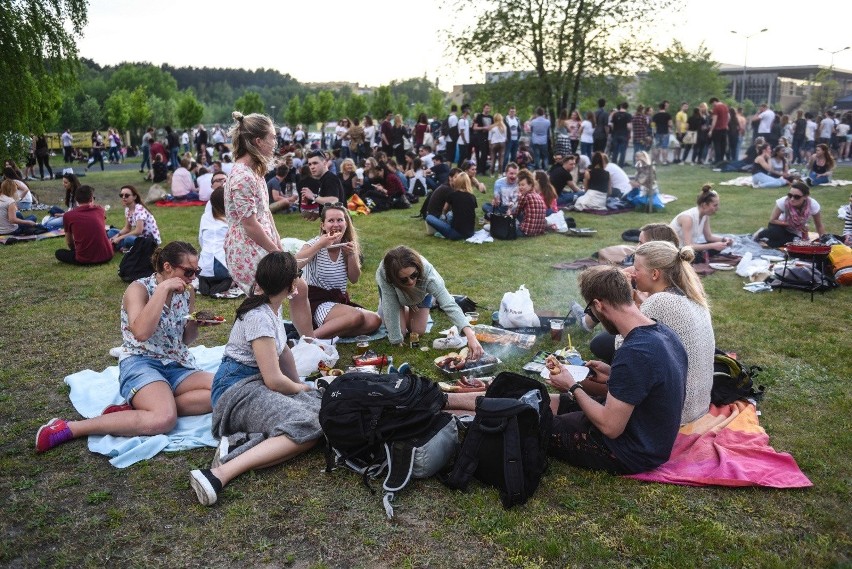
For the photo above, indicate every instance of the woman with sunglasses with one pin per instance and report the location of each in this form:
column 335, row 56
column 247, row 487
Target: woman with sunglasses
column 789, row 220
column 256, row 390
column 408, row 287
column 158, row 377
column 331, row 261
column 693, row 225
column 138, row 220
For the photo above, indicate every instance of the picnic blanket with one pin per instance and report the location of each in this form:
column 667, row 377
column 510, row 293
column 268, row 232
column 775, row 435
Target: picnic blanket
column 727, row 447
column 746, row 181
column 12, row 239
column 91, row 391
column 179, row 203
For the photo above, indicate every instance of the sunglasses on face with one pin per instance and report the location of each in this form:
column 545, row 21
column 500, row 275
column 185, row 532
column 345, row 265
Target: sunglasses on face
column 795, row 196
column 412, row 278
column 588, row 310
column 125, row 195
column 188, row 272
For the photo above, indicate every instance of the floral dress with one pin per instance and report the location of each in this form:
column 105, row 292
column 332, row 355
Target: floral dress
column 149, row 224
column 246, row 195
column 166, row 344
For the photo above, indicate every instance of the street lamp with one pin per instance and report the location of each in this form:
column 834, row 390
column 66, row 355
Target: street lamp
column 745, row 61
column 273, row 111
column 832, row 54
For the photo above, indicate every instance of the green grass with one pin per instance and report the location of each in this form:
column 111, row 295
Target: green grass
column 71, row 508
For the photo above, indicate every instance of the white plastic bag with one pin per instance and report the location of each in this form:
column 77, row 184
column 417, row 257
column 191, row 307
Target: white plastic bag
column 556, row 222
column 308, row 354
column 516, row 310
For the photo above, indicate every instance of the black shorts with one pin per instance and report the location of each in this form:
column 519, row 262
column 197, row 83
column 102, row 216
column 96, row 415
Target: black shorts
column 31, row 160
column 578, row 442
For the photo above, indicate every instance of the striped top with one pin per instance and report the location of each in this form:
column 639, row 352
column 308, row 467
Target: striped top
column 322, row 272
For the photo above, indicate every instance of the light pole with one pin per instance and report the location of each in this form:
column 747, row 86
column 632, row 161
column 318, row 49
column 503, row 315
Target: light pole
column 745, row 61
column 832, row 54
column 273, row 112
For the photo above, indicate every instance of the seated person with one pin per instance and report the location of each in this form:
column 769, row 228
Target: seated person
column 460, row 210
column 183, row 186
column 469, row 168
column 563, row 180
column 789, row 220
column 214, row 277
column 597, row 183
column 436, row 202
column 139, row 221
column 426, row 156
column 693, row 225
column 744, row 164
column 278, row 198
column 530, row 211
column 158, row 377
column 85, row 232
column 505, row 192
column 440, row 171
column 204, row 179
column 545, row 189
column 11, row 221
column 820, row 166
column 159, row 172
column 53, row 220
column 331, row 261
column 847, row 223
column 762, row 174
column 621, row 184
column 257, row 389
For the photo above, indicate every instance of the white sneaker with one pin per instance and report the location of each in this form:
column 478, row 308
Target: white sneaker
column 117, row 351
column 221, row 451
column 449, row 343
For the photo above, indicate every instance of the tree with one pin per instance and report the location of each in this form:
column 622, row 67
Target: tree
column 38, row 58
column 140, row 110
column 824, row 90
column 382, row 102
column 436, row 107
column 309, row 111
column 324, row 107
column 679, row 75
column 90, row 113
column 250, row 102
column 293, row 114
column 157, row 82
column 560, row 41
column 117, row 108
column 356, row 107
column 189, row 109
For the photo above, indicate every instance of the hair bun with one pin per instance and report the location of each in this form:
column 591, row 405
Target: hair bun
column 238, row 116
column 687, row 254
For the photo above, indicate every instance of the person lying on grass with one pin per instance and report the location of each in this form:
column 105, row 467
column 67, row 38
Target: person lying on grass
column 158, row 377
column 256, row 390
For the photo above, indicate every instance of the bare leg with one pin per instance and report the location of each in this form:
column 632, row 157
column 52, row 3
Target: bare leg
column 418, row 320
column 270, row 452
column 461, row 401
column 300, row 309
column 154, row 413
column 344, row 320
column 192, row 396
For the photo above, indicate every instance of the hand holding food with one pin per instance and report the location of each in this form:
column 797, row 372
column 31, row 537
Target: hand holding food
column 553, row 365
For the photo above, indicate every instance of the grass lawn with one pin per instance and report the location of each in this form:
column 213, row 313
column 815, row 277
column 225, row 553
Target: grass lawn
column 71, row 508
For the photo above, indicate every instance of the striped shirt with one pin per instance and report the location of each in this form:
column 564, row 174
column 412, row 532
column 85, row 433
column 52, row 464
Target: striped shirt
column 324, row 273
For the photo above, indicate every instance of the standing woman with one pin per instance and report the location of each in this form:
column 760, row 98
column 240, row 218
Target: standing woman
column 331, row 261
column 369, row 135
column 703, row 145
column 497, row 134
column 693, row 225
column 398, row 133
column 820, row 166
column 587, row 135
column 42, row 153
column 138, row 220
column 420, row 130
column 408, row 287
column 251, row 228
column 733, row 134
column 563, row 134
column 257, row 390
column 574, row 123
column 762, row 173
column 789, row 220
column 157, row 375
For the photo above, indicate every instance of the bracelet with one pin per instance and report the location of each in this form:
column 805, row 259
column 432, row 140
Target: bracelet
column 574, row 388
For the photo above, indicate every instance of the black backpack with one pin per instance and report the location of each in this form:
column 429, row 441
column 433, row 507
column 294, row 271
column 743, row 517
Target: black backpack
column 732, row 380
column 386, row 423
column 502, row 227
column 136, row 263
column 419, row 188
column 506, row 444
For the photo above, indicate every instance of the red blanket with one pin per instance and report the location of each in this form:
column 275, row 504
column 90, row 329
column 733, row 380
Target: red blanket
column 184, row 203
column 727, row 447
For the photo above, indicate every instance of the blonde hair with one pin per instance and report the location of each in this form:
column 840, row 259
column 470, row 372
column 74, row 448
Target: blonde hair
column 243, row 133
column 8, row 188
column 461, row 183
column 676, row 267
column 498, row 122
column 347, row 162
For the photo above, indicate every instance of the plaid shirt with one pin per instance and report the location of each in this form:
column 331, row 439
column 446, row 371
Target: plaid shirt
column 640, row 127
column 533, row 210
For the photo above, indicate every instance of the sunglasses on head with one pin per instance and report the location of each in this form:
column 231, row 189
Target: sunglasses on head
column 188, row 271
column 588, row 310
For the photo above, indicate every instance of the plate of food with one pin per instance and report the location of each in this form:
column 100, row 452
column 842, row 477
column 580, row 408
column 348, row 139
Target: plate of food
column 582, row 231
column 578, row 372
column 722, row 267
column 772, row 258
column 466, row 384
column 205, row 317
column 457, row 364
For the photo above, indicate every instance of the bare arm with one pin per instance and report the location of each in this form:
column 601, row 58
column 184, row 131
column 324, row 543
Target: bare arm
column 818, row 223
column 255, row 232
column 143, row 313
column 775, row 219
column 266, row 355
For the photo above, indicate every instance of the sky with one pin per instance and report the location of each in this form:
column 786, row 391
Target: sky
column 354, row 39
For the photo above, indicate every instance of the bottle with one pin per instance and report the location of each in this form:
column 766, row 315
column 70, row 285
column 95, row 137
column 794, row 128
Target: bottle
column 390, row 364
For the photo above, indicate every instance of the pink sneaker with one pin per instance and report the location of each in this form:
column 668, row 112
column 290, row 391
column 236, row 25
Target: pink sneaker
column 54, row 433
column 117, row 408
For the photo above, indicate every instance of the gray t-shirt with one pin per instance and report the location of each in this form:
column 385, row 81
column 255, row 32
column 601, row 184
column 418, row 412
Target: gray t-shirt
column 261, row 322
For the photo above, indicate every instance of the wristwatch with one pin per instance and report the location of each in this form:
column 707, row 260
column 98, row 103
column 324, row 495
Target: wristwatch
column 574, row 388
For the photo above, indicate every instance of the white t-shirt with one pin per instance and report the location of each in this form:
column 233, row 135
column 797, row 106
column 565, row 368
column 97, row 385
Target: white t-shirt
column 513, row 124
column 204, row 186
column 826, row 125
column 184, row 138
column 67, row 139
column 464, row 131
column 182, row 183
column 767, row 117
column 810, row 130
column 370, row 135
column 587, row 136
column 779, row 203
column 496, row 136
column 286, row 134
column 619, row 179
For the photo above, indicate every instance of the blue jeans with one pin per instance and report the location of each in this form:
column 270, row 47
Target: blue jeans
column 586, row 149
column 230, row 372
column 761, row 180
column 174, row 160
column 539, row 152
column 511, row 152
column 125, row 243
column 489, row 209
column 816, row 179
column 146, row 158
column 444, row 228
column 619, row 149
column 567, row 198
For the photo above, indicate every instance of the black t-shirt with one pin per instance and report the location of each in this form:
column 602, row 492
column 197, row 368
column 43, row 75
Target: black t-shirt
column 620, row 120
column 463, row 205
column 437, row 200
column 481, row 120
column 560, row 177
column 662, row 120
column 441, row 173
column 327, row 185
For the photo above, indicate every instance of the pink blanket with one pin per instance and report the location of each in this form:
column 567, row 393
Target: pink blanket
column 727, row 447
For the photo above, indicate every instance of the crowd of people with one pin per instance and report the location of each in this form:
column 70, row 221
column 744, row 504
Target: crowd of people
column 654, row 371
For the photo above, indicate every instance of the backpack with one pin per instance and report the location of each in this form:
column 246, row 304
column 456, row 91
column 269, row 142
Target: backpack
column 732, row 380
column 506, row 444
column 801, row 277
column 136, row 263
column 419, row 188
column 503, row 227
column 386, row 423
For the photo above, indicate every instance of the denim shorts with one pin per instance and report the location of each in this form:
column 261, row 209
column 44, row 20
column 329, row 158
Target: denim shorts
column 661, row 140
column 427, row 302
column 135, row 372
column 230, row 372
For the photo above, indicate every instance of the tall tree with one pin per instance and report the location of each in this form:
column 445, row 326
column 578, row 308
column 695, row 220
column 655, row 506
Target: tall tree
column 293, row 114
column 189, row 109
column 156, row 81
column 309, row 112
column 356, row 106
column 560, row 41
column 382, row 102
column 38, row 56
column 678, row 75
column 824, row 90
column 324, row 106
column 117, row 108
column 140, row 110
column 436, row 107
column 250, row 102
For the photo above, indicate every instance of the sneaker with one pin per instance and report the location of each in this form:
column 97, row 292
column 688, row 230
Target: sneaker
column 206, row 486
column 117, row 351
column 404, row 369
column 809, row 182
column 578, row 312
column 450, row 343
column 54, row 433
column 118, row 408
column 222, row 450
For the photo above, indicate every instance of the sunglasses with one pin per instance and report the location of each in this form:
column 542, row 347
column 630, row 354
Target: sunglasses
column 125, row 195
column 411, row 278
column 188, row 271
column 795, row 196
column 588, row 310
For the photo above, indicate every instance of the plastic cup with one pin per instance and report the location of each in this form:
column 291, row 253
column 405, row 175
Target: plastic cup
column 472, row 317
column 363, row 342
column 556, row 327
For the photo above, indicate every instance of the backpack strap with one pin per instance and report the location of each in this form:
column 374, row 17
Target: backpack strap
column 400, row 461
column 513, row 467
column 468, row 458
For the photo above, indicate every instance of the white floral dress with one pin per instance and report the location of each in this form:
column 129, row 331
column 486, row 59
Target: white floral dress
column 246, row 194
column 149, row 224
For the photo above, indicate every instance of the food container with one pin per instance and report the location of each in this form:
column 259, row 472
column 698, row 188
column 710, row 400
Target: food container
column 807, row 248
column 582, row 231
column 492, row 335
column 474, row 370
